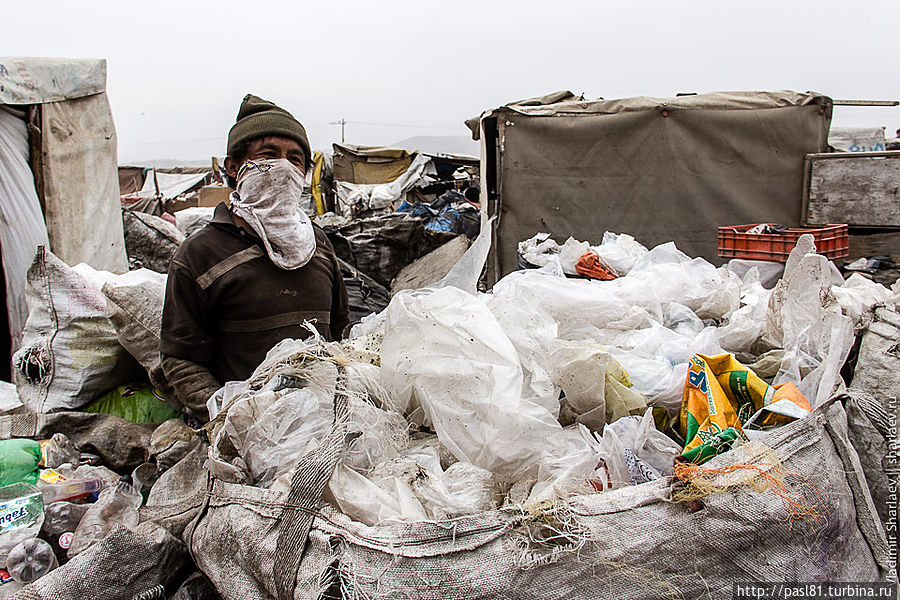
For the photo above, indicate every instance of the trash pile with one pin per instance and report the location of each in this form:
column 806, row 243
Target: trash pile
column 571, row 383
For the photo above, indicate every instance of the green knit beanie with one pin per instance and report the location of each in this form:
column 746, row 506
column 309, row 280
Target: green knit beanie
column 259, row 118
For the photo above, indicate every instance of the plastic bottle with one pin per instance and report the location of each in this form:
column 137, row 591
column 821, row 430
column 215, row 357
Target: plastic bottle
column 59, row 450
column 31, row 560
column 116, row 505
column 69, row 489
column 19, row 460
column 21, row 515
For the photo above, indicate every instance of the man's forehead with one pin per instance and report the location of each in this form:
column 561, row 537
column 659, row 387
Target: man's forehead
column 276, row 141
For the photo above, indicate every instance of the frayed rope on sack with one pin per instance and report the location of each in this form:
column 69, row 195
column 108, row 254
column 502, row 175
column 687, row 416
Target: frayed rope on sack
column 763, row 472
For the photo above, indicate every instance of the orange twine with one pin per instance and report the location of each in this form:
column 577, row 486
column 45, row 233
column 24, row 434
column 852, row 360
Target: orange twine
column 768, row 477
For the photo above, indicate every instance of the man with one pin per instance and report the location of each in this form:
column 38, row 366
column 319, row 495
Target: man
column 256, row 272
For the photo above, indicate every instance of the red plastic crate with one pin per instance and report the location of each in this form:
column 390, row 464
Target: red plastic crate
column 832, row 241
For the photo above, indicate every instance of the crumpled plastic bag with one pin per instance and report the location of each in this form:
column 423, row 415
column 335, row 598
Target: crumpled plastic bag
column 376, row 434
column 579, row 463
column 362, row 500
column 806, row 320
column 857, row 296
column 597, row 388
column 413, row 486
column 746, row 325
column 619, row 252
column 534, row 335
column 640, row 435
column 271, row 430
column 446, row 350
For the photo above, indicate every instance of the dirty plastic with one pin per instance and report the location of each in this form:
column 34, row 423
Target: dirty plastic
column 69, row 489
column 139, row 403
column 116, row 505
column 271, row 430
column 31, row 560
column 445, row 351
column 19, row 459
column 59, row 450
column 62, row 517
column 21, row 515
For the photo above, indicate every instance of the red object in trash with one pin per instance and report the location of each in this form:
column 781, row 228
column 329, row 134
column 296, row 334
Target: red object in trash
column 832, row 241
column 589, row 265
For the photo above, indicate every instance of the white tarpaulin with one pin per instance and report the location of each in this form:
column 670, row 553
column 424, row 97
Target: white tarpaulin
column 25, row 80
column 22, row 227
column 81, row 183
column 355, row 199
column 170, row 184
column 857, row 139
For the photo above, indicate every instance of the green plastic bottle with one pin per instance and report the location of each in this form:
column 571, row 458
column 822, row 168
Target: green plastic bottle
column 19, row 460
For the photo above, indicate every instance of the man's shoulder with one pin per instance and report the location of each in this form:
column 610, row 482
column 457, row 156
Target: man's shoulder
column 205, row 247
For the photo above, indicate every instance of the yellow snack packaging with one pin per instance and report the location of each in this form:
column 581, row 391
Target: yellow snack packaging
column 720, row 395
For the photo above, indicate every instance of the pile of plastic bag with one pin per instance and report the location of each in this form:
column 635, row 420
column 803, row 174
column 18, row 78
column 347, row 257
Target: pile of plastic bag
column 548, row 386
column 452, row 402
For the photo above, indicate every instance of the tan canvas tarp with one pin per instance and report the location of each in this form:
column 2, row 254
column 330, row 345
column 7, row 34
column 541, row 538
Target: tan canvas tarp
column 661, row 169
column 81, row 183
column 131, row 179
column 369, row 165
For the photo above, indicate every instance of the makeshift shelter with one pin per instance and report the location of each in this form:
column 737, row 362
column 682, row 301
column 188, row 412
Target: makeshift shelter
column 371, row 179
column 158, row 186
column 370, row 164
column 660, row 169
column 73, row 154
column 58, row 179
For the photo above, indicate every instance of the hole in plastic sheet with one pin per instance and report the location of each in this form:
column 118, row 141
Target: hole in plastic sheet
column 35, row 364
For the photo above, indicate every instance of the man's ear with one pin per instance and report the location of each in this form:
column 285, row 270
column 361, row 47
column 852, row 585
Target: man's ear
column 231, row 167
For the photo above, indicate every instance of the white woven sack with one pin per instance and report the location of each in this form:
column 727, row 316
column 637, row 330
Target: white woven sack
column 70, row 354
column 632, row 542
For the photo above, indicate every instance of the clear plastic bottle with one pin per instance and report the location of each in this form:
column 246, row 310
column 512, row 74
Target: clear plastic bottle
column 31, row 560
column 116, row 505
column 69, row 489
column 21, row 515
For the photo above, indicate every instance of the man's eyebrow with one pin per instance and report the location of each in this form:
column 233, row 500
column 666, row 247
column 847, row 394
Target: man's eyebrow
column 268, row 146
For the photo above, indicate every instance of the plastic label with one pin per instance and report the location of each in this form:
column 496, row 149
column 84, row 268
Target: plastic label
column 65, row 540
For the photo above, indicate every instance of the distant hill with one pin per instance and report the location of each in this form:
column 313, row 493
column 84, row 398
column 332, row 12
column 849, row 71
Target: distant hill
column 446, row 144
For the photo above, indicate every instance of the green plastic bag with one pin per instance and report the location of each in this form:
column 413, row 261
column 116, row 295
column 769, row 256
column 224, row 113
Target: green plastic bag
column 19, row 459
column 139, row 403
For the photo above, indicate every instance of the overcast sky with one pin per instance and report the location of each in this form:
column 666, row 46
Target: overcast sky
column 178, row 70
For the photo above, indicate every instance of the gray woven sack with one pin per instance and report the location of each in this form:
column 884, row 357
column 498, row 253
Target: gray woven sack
column 125, row 565
column 628, row 543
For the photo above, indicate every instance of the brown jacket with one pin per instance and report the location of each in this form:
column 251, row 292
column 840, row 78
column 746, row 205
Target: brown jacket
column 227, row 304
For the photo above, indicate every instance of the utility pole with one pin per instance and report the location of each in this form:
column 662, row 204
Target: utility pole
column 342, row 123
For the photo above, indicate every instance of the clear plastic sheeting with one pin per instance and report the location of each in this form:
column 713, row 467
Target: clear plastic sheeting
column 543, row 388
column 617, row 252
column 806, row 320
column 444, row 350
column 858, row 295
column 22, row 227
